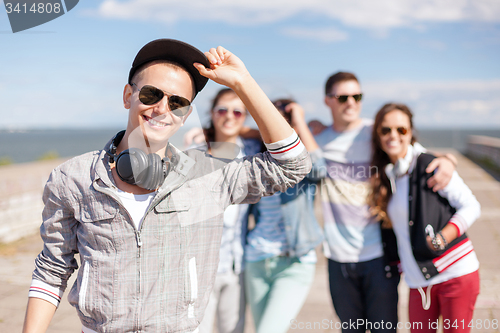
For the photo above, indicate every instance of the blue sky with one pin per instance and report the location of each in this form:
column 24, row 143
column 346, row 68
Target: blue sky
column 440, row 57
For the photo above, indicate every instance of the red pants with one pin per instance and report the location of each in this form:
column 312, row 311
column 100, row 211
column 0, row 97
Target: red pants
column 453, row 299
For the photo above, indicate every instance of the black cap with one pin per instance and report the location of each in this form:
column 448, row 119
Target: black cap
column 176, row 51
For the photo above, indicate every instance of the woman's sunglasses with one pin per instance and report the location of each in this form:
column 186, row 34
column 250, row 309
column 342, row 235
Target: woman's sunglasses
column 222, row 111
column 343, row 98
column 387, row 130
column 150, row 95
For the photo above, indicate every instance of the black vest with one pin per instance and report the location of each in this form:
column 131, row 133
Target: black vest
column 425, row 207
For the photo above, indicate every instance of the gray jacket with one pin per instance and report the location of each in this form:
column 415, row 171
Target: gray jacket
column 158, row 278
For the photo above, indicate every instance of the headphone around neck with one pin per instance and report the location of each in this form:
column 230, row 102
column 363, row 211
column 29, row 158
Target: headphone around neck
column 135, row 167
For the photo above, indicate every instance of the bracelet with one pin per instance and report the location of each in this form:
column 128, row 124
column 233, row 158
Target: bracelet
column 444, row 239
column 437, row 244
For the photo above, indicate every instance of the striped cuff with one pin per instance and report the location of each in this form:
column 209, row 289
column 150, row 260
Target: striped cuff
column 458, row 222
column 45, row 291
column 453, row 255
column 286, row 149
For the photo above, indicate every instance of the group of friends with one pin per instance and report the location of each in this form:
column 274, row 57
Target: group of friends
column 163, row 234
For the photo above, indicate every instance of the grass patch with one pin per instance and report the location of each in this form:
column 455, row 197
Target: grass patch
column 48, row 156
column 6, row 160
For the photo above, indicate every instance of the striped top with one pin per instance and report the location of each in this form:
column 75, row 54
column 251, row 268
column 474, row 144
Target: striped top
column 268, row 238
column 351, row 235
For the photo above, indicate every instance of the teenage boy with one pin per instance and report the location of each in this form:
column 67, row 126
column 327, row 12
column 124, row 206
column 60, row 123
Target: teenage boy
column 145, row 217
column 362, row 284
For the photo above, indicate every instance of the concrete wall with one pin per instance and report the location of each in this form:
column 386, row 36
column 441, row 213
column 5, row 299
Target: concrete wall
column 21, row 187
column 485, row 149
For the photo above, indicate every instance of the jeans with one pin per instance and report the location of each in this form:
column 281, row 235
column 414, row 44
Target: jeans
column 361, row 293
column 227, row 303
column 276, row 289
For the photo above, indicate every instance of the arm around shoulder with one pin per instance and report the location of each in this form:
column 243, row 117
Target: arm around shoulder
column 463, row 200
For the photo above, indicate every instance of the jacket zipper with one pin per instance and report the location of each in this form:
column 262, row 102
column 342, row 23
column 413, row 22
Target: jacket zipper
column 153, row 203
column 110, row 193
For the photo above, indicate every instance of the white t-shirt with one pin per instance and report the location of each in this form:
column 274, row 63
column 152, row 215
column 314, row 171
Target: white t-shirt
column 136, row 205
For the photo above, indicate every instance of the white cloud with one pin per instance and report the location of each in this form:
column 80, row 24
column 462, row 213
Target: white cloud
column 326, row 35
column 433, row 45
column 413, row 90
column 481, row 108
column 380, row 14
column 465, row 103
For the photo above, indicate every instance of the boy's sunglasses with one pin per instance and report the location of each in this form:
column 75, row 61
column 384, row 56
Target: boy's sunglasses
column 222, row 111
column 343, row 98
column 387, row 130
column 150, row 95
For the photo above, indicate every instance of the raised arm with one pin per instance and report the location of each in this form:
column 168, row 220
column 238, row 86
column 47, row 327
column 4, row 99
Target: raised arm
column 319, row 170
column 229, row 70
column 300, row 126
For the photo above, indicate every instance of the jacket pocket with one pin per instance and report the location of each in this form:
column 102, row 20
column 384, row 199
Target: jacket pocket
column 173, row 204
column 187, row 210
column 193, row 286
column 95, row 208
column 84, row 287
column 95, row 229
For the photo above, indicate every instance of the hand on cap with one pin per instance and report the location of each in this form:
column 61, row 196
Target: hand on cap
column 225, row 68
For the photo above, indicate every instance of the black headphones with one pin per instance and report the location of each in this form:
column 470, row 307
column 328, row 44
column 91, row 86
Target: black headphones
column 135, row 167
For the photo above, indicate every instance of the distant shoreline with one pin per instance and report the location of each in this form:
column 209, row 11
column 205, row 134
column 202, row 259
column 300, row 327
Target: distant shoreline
column 28, row 145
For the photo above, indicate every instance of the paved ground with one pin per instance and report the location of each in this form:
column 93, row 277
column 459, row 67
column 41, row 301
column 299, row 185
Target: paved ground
column 16, row 264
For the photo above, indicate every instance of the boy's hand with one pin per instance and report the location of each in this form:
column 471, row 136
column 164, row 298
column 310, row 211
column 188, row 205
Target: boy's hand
column 444, row 170
column 316, row 127
column 297, row 115
column 225, row 68
column 194, row 136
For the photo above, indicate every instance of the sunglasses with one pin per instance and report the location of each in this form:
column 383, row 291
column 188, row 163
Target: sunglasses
column 222, row 111
column 150, row 95
column 343, row 98
column 387, row 130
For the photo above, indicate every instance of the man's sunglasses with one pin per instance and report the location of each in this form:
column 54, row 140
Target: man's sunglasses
column 387, row 130
column 343, row 98
column 150, row 95
column 222, row 111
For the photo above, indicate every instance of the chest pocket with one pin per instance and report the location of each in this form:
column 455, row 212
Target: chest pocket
column 95, row 209
column 175, row 210
column 172, row 205
column 96, row 214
